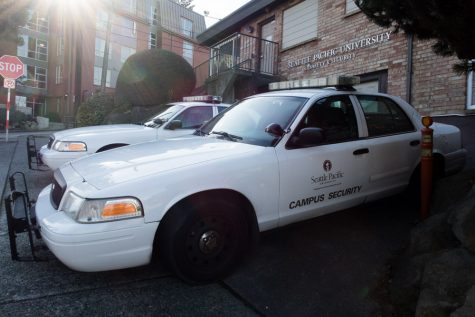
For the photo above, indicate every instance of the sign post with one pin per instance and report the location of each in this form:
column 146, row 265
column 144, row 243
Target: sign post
column 11, row 67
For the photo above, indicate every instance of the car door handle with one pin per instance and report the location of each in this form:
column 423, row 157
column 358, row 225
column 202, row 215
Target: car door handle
column 414, row 143
column 360, row 151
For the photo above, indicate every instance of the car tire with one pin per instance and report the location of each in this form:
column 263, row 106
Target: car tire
column 202, row 240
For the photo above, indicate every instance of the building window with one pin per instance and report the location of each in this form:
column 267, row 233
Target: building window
column 101, row 47
column 98, row 76
column 129, row 6
column 188, row 52
column 152, row 43
column 59, row 74
column 125, row 52
column 154, row 17
column 20, row 101
column 124, row 27
column 36, row 77
column 60, row 46
column 37, row 22
column 33, row 48
column 351, row 7
column 101, row 20
column 37, row 49
column 22, row 50
column 300, row 24
column 186, row 27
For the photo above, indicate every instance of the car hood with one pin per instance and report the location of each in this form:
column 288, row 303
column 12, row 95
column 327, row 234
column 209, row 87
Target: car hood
column 81, row 134
column 116, row 166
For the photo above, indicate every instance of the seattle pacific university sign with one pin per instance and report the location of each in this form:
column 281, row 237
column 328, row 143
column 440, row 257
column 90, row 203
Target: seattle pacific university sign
column 343, row 53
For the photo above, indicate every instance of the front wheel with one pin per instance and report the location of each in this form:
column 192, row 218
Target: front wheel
column 203, row 240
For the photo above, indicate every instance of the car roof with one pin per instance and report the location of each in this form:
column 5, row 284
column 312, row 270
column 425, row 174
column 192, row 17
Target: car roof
column 318, row 92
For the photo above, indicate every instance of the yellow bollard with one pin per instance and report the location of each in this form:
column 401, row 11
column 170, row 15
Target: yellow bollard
column 426, row 166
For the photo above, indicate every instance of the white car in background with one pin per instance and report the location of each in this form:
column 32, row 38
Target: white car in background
column 180, row 118
column 198, row 202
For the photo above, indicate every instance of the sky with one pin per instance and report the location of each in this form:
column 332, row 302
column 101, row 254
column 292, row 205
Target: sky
column 217, row 9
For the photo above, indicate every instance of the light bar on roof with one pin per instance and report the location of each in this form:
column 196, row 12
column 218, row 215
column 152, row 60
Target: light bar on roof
column 316, row 82
column 204, row 98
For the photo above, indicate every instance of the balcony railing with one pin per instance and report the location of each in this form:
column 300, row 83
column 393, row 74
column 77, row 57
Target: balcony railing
column 240, row 52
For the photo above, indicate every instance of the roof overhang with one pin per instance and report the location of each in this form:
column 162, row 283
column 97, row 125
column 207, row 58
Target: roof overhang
column 233, row 22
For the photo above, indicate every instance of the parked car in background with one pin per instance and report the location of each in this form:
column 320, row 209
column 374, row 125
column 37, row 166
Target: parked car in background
column 198, row 202
column 179, row 118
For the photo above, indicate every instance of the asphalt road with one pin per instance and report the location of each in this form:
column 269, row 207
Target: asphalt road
column 327, row 266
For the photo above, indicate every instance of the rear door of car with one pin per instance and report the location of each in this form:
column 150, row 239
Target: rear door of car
column 393, row 144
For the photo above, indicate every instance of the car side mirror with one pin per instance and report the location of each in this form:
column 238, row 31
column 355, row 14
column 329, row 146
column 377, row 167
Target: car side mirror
column 175, row 124
column 310, row 137
column 275, row 130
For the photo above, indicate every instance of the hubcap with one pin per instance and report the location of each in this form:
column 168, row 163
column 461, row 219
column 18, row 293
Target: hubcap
column 209, row 241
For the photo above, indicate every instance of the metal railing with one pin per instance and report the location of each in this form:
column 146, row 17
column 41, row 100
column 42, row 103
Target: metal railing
column 240, row 52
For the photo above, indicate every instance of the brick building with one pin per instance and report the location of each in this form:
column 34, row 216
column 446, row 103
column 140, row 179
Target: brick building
column 272, row 40
column 64, row 43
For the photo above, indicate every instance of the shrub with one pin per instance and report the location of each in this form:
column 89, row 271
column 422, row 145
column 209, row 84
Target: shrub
column 94, row 110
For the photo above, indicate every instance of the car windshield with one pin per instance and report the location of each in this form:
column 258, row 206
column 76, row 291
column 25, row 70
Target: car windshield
column 164, row 116
column 247, row 120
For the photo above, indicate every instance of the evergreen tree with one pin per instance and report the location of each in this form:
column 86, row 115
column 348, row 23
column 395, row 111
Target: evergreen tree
column 449, row 23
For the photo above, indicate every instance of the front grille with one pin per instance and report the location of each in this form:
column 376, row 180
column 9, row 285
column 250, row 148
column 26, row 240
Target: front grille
column 50, row 142
column 59, row 187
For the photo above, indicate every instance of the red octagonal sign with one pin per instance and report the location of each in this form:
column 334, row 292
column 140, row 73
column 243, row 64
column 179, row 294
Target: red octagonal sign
column 11, row 67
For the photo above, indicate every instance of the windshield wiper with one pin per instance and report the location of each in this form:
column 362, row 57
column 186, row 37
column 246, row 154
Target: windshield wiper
column 230, row 137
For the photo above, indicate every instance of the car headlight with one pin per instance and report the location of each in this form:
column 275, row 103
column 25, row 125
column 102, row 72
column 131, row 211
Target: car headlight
column 100, row 210
column 69, row 146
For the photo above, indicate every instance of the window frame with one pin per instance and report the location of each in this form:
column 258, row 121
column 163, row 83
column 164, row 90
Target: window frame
column 292, row 18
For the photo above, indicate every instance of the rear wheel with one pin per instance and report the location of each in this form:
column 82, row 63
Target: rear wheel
column 203, row 240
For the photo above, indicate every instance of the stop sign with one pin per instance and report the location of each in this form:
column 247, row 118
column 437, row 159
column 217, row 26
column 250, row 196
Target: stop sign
column 11, row 67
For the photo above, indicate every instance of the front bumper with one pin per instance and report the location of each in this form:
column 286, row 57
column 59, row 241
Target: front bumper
column 55, row 159
column 94, row 247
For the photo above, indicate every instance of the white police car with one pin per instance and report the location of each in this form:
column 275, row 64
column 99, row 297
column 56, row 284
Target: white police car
column 179, row 118
column 198, row 202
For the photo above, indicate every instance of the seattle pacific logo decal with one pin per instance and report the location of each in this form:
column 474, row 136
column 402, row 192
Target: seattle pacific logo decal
column 327, row 166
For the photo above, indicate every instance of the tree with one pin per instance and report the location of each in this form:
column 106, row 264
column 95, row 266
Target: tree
column 449, row 23
column 154, row 77
column 13, row 14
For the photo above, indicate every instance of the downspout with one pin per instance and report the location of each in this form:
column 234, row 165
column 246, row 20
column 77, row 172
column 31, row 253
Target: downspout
column 469, row 102
column 410, row 39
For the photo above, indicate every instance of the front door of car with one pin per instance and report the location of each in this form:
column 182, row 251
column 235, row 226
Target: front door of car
column 186, row 122
column 393, row 143
column 327, row 173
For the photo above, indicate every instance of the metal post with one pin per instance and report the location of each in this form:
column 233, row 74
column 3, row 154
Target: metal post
column 469, row 101
column 426, row 166
column 7, row 123
column 105, row 60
